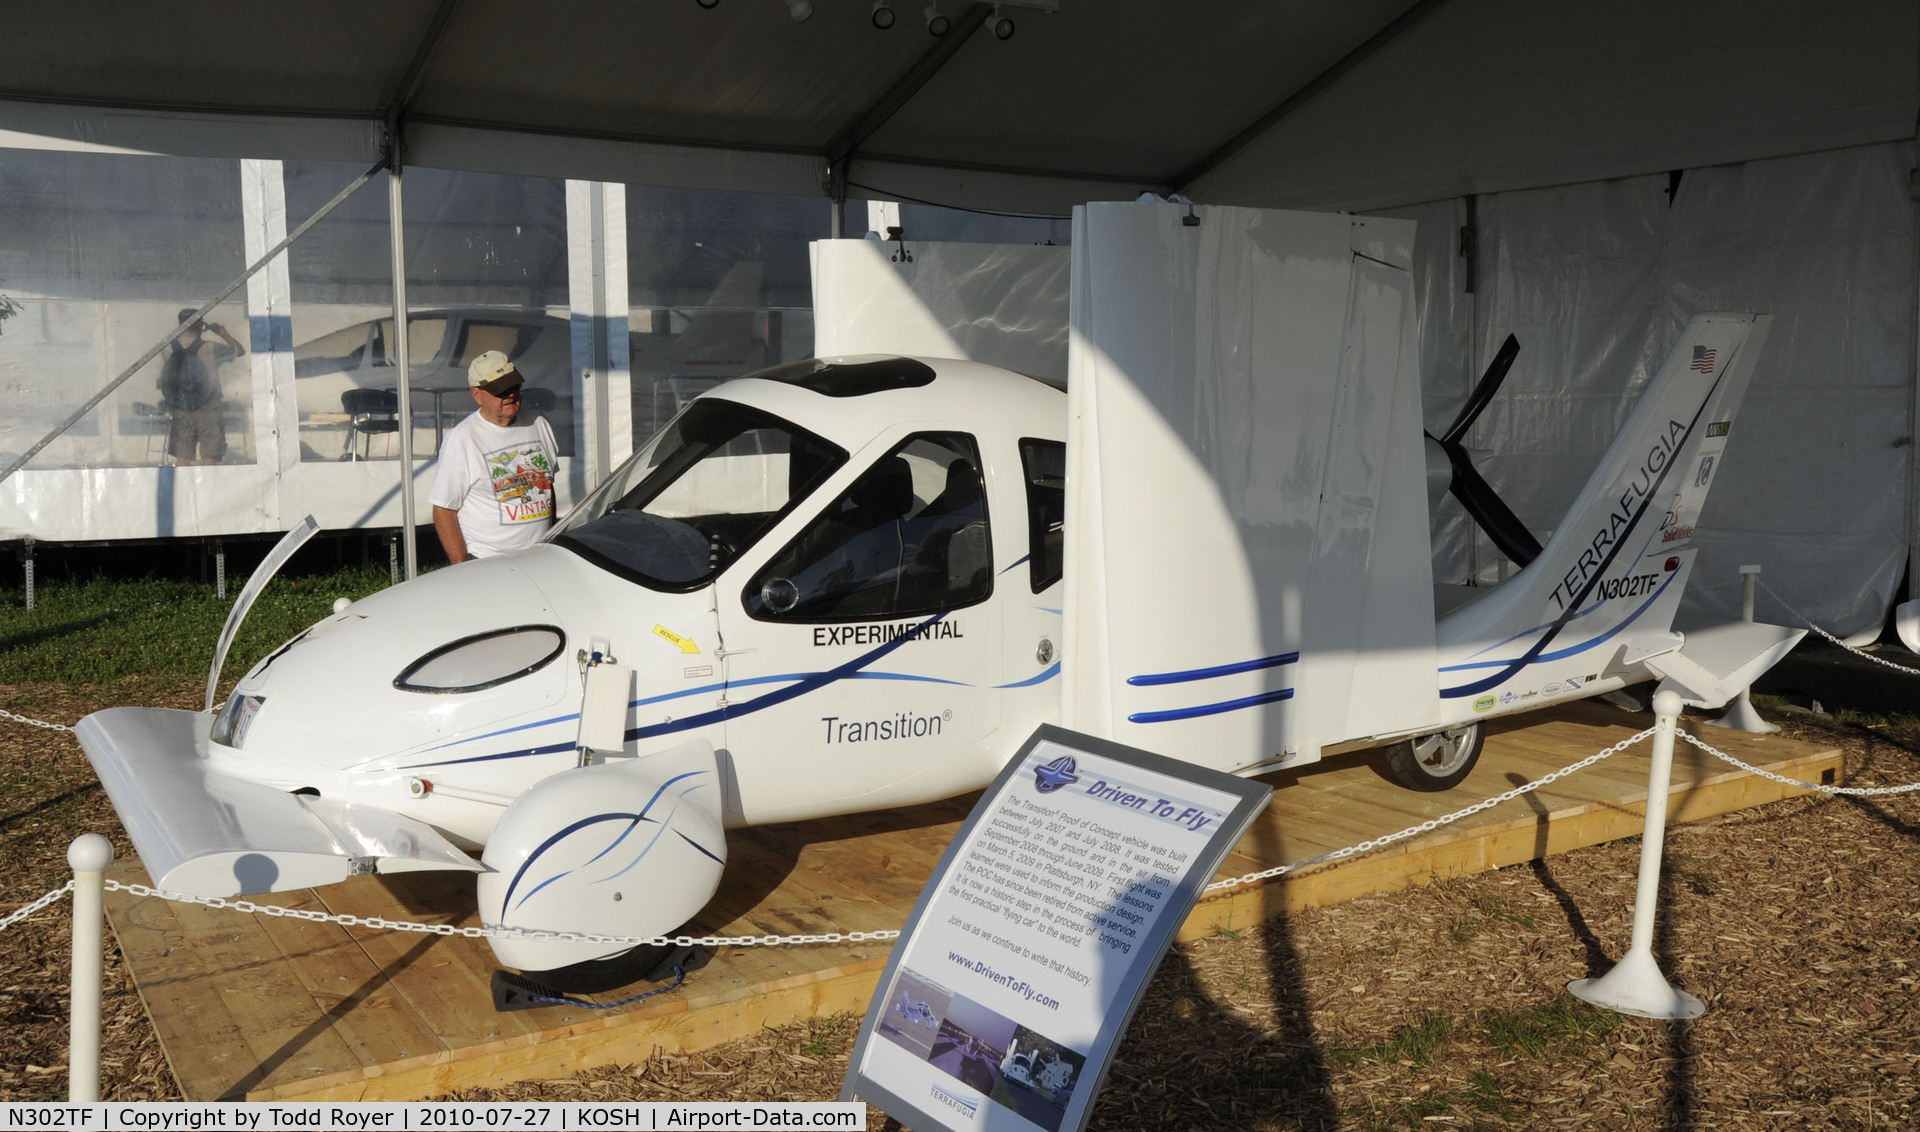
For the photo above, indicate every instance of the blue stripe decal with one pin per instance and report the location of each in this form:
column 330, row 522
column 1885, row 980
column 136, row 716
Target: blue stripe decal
column 771, row 699
column 1052, row 671
column 1532, row 655
column 1016, row 562
column 804, row 683
column 507, row 731
column 549, row 843
column 1210, row 709
column 1210, row 673
column 583, row 823
column 554, row 748
column 908, row 676
column 698, row 846
column 1579, row 648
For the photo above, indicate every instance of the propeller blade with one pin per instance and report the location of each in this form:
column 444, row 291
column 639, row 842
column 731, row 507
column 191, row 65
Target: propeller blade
column 1483, row 391
column 1487, row 509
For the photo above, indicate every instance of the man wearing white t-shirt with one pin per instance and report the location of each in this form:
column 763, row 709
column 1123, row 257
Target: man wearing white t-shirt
column 493, row 490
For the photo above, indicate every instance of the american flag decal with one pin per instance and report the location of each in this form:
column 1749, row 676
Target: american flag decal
column 1702, row 360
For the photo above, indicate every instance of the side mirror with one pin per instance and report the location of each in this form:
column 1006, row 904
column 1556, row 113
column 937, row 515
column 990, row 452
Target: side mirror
column 779, row 594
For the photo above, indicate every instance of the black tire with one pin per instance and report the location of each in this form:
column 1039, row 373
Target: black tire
column 1439, row 761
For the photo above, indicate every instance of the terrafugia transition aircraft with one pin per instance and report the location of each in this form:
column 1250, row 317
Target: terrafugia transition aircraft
column 860, row 582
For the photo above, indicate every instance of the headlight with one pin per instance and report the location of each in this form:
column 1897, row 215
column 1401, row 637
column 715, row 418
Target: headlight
column 484, row 660
column 230, row 726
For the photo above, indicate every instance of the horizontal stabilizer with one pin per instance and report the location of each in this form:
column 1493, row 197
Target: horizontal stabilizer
column 204, row 833
column 1718, row 661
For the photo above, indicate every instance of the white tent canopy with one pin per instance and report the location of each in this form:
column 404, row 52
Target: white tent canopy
column 1360, row 104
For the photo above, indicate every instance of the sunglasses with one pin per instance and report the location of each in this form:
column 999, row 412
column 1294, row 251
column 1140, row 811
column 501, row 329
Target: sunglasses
column 510, row 395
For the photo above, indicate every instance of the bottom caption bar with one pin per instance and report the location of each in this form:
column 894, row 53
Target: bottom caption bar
column 398, row 1116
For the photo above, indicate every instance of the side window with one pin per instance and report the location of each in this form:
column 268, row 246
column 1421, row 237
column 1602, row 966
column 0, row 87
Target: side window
column 908, row 538
column 1045, row 462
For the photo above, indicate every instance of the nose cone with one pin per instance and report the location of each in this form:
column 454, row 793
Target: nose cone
column 331, row 700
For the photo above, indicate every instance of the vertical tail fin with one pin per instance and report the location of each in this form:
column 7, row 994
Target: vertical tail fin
column 1612, row 574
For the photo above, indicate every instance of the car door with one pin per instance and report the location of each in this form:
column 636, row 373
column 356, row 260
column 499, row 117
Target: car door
column 862, row 653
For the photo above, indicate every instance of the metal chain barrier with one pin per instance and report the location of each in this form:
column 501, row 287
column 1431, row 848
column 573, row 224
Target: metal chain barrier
column 31, row 722
column 1436, row 823
column 30, row 909
column 1808, row 621
column 1852, row 791
column 378, row 923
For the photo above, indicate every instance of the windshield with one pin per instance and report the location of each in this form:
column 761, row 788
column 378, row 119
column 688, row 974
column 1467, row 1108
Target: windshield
column 707, row 487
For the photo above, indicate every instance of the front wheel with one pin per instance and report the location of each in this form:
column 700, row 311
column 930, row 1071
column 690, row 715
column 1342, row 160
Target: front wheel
column 1439, row 761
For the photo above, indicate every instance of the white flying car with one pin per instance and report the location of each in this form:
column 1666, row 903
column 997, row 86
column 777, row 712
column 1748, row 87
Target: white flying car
column 837, row 586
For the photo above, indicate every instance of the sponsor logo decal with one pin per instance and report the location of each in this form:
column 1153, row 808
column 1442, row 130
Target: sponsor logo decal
column 1677, row 534
column 825, row 636
column 1705, row 473
column 1621, row 520
column 1553, row 689
column 1574, row 682
column 1508, row 698
column 1060, row 772
column 1483, row 703
column 1718, row 428
column 904, row 725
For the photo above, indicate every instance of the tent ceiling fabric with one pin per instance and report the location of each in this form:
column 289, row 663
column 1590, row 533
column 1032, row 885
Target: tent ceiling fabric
column 1099, row 99
column 1121, row 93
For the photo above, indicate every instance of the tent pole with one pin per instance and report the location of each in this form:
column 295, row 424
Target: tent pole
column 1913, row 389
column 154, row 350
column 397, row 241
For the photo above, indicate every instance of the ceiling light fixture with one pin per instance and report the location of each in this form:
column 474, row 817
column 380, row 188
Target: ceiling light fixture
column 937, row 22
column 882, row 15
column 799, row 10
column 1002, row 25
column 709, row 4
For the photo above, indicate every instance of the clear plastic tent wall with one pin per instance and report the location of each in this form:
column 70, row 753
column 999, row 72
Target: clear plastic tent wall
column 98, row 255
column 103, row 251
column 718, row 285
column 1597, row 280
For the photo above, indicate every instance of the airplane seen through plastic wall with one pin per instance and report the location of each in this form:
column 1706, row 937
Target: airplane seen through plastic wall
column 830, row 587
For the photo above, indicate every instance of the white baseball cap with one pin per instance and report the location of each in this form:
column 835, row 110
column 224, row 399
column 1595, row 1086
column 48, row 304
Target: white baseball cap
column 492, row 372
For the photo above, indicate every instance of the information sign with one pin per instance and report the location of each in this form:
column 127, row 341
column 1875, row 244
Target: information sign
column 1034, row 940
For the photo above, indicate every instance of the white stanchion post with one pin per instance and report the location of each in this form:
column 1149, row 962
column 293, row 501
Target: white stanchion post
column 1635, row 985
column 89, row 855
column 1741, row 716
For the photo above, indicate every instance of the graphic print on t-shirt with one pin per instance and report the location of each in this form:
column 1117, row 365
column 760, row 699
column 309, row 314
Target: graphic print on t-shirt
column 522, row 484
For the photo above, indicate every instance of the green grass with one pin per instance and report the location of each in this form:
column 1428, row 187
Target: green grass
column 101, row 631
column 1562, row 1025
column 822, row 1037
column 1500, row 908
column 1413, row 1043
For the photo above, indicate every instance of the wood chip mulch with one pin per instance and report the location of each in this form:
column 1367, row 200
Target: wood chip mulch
column 1442, row 1007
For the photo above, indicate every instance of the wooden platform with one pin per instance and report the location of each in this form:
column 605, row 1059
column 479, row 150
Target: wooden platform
column 259, row 1007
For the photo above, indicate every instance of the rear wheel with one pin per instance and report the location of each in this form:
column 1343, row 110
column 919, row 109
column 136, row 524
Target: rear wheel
column 1436, row 762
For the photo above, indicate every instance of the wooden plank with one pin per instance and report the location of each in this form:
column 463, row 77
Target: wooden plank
column 282, row 1009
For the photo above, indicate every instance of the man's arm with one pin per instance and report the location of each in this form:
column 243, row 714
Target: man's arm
column 239, row 351
column 446, row 524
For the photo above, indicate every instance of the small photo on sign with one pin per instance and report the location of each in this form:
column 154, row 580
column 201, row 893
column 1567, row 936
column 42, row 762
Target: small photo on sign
column 915, row 1007
column 973, row 1042
column 1037, row 1077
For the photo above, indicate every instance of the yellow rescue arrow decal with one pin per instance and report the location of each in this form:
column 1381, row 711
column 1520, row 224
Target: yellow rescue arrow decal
column 674, row 638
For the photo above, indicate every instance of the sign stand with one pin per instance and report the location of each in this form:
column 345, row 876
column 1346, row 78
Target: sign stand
column 1033, row 942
